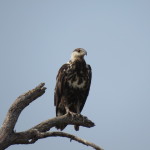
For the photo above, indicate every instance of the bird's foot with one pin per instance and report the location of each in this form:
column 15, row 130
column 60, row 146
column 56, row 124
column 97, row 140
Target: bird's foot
column 72, row 114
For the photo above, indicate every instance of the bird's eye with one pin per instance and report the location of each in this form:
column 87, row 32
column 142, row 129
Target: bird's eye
column 79, row 51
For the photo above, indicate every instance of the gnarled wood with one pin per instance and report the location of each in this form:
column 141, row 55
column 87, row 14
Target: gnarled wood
column 9, row 137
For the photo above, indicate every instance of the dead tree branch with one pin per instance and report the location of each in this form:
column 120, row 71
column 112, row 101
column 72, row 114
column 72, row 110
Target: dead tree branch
column 9, row 137
column 36, row 135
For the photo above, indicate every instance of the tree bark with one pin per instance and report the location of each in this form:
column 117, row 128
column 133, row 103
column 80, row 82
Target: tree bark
column 9, row 137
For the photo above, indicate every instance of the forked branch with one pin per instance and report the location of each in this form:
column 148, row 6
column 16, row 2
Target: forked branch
column 9, row 137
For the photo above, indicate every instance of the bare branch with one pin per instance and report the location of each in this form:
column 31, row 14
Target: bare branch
column 65, row 119
column 72, row 137
column 36, row 135
column 28, row 136
column 9, row 137
column 20, row 103
column 16, row 108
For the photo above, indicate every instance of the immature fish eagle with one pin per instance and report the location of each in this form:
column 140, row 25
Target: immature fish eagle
column 72, row 85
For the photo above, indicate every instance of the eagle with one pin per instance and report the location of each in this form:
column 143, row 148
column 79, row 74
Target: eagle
column 72, row 86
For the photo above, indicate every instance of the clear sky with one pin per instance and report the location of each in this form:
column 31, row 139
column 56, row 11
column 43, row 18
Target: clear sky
column 38, row 36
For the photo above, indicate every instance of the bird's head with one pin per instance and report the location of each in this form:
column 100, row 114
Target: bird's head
column 78, row 53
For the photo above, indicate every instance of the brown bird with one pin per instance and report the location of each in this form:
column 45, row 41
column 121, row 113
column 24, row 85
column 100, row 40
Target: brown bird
column 72, row 86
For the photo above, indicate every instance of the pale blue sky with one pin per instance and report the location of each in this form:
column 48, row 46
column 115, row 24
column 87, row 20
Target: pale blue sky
column 38, row 36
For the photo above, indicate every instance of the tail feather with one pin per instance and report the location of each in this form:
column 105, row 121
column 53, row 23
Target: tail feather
column 61, row 127
column 76, row 127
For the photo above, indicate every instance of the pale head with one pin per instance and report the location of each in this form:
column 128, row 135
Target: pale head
column 78, row 53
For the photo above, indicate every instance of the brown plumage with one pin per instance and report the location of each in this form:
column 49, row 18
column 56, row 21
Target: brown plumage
column 72, row 85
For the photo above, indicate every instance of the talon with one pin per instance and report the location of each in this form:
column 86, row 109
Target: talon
column 83, row 119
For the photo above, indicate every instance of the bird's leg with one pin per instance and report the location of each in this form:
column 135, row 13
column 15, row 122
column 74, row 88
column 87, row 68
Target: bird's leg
column 70, row 112
column 78, row 111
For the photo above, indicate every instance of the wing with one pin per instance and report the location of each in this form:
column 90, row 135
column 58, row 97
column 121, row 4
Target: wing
column 60, row 83
column 86, row 92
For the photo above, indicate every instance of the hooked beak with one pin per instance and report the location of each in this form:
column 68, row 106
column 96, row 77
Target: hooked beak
column 85, row 53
